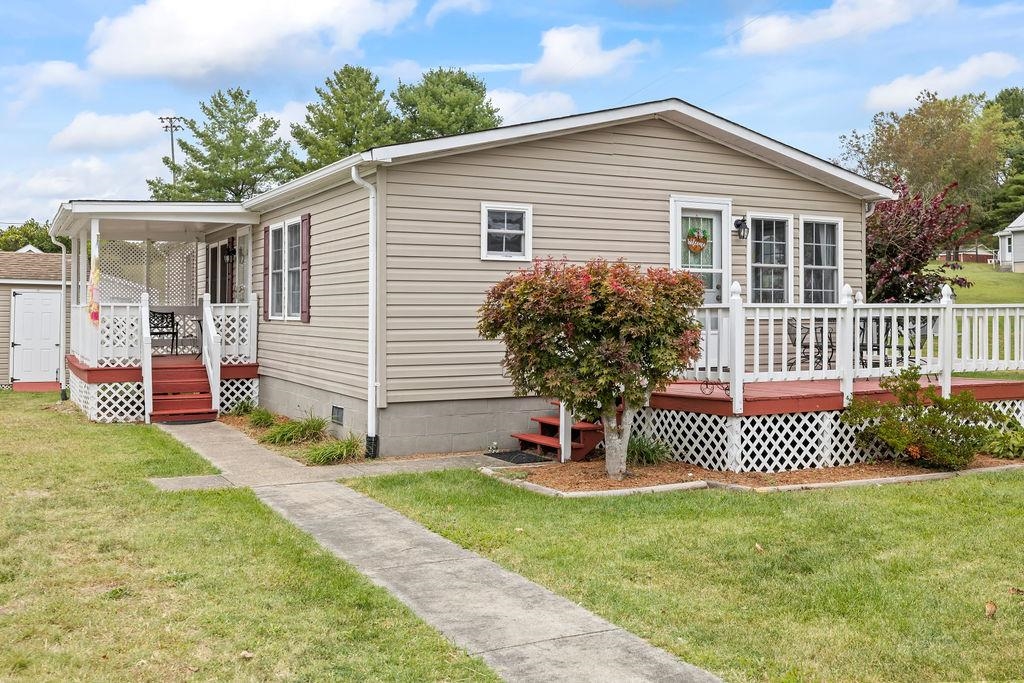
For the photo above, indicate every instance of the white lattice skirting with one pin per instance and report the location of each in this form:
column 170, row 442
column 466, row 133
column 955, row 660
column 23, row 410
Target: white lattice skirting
column 111, row 402
column 765, row 443
column 126, row 402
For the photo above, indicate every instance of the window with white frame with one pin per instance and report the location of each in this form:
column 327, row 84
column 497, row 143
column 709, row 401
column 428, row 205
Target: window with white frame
column 506, row 231
column 285, row 269
column 820, row 261
column 769, row 260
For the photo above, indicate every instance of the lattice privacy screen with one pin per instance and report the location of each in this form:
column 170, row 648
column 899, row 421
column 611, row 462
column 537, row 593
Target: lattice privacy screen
column 235, row 391
column 112, row 402
column 171, row 272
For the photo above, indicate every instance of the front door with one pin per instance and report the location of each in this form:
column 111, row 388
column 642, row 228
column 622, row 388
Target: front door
column 700, row 245
column 35, row 336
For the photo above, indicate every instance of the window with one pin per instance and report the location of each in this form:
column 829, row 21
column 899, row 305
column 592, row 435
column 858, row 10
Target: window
column 505, row 232
column 1009, row 244
column 769, row 259
column 285, row 270
column 820, row 239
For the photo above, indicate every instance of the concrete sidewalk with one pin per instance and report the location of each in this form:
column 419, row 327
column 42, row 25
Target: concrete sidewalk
column 522, row 630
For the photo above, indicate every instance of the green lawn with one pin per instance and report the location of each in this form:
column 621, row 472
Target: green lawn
column 990, row 286
column 884, row 583
column 104, row 578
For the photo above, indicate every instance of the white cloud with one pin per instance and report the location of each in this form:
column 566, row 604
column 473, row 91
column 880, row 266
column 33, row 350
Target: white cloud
column 28, row 81
column 90, row 131
column 38, row 192
column 443, row 7
column 517, row 107
column 404, row 70
column 774, row 33
column 495, row 68
column 575, row 52
column 900, row 92
column 191, row 39
column 289, row 113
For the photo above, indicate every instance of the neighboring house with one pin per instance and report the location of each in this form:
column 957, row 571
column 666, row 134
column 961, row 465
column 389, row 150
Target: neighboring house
column 29, row 249
column 971, row 253
column 30, row 320
column 367, row 302
column 1014, row 232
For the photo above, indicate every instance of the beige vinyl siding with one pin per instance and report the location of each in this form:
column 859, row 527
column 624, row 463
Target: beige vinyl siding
column 328, row 352
column 597, row 193
column 5, row 325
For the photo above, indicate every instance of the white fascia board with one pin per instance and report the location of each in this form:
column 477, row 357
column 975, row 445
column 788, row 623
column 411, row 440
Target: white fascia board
column 331, row 175
column 41, row 283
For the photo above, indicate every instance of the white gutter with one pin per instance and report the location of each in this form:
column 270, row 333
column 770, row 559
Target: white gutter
column 62, row 375
column 372, row 440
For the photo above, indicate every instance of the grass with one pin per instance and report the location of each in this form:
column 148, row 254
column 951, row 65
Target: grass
column 990, row 286
column 102, row 577
column 885, row 583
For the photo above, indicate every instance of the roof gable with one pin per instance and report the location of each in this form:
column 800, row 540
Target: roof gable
column 29, row 266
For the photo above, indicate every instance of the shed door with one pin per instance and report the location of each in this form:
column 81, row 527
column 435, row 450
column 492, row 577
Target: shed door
column 35, row 336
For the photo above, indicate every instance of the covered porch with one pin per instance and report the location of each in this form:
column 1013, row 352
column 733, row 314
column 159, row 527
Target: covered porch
column 156, row 288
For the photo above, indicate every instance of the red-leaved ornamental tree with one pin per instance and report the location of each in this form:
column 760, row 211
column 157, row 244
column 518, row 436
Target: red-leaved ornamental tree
column 904, row 236
column 595, row 336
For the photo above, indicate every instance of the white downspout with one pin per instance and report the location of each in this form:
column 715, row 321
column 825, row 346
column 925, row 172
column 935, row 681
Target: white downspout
column 372, row 440
column 63, row 319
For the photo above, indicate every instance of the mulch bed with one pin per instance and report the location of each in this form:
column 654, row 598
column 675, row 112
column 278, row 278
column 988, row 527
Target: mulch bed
column 591, row 475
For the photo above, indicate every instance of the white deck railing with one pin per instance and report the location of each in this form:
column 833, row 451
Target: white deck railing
column 850, row 340
column 212, row 352
column 147, row 356
column 115, row 342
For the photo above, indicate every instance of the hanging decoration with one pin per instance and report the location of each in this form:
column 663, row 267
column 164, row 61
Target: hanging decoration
column 697, row 238
column 94, row 292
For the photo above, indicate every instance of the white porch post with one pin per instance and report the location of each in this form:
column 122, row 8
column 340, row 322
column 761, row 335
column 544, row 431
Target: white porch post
column 74, row 272
column 94, row 240
column 254, row 320
column 83, row 268
column 737, row 363
column 947, row 341
column 145, row 269
column 847, row 343
column 565, row 420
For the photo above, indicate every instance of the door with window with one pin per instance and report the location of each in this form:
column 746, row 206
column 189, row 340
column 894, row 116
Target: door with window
column 700, row 247
column 220, row 272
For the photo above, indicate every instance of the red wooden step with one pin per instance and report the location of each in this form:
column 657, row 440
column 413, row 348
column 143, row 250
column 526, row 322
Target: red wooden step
column 180, row 386
column 183, row 416
column 538, row 439
column 554, row 421
column 179, row 373
column 182, row 402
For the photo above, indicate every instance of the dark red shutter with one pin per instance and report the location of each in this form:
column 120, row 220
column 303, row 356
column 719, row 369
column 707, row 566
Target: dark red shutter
column 304, row 272
column 266, row 272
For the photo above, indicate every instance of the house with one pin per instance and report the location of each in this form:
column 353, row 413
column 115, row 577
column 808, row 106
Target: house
column 31, row 320
column 971, row 253
column 352, row 291
column 1006, row 236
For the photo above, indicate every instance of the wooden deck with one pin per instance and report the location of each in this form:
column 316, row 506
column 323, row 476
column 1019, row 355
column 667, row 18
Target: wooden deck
column 774, row 398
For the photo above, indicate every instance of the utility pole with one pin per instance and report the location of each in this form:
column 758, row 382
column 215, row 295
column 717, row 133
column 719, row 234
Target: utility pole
column 170, row 125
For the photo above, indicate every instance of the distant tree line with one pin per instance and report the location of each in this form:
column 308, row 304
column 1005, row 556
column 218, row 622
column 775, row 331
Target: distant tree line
column 235, row 151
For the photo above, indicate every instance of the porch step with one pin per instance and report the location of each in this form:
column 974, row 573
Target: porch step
column 165, row 416
column 179, row 372
column 180, row 386
column 538, row 439
column 170, row 402
column 553, row 421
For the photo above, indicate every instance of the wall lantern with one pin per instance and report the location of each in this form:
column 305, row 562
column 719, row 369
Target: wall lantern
column 229, row 254
column 742, row 229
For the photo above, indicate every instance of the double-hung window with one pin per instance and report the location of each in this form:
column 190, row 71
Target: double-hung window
column 820, row 256
column 506, row 232
column 285, row 270
column 769, row 259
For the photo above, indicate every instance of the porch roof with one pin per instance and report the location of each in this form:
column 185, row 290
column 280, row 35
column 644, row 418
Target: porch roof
column 144, row 219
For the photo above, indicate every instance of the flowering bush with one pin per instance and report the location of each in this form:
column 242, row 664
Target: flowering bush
column 904, row 236
column 595, row 336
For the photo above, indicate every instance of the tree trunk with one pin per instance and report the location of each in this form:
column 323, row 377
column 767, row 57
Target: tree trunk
column 616, row 440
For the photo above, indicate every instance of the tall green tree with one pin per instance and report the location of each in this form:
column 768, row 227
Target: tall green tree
column 1008, row 201
column 936, row 143
column 350, row 116
column 31, row 232
column 443, row 102
column 235, row 155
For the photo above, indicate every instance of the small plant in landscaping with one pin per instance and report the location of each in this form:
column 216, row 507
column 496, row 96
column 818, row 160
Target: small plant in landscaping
column 242, row 408
column 921, row 425
column 297, row 431
column 261, row 418
column 645, row 451
column 1008, row 444
column 336, row 450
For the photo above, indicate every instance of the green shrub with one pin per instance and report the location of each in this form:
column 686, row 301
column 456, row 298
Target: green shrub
column 297, row 431
column 645, row 451
column 921, row 425
column 1008, row 444
column 242, row 408
column 261, row 418
column 336, row 450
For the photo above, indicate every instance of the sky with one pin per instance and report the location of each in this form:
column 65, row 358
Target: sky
column 83, row 81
